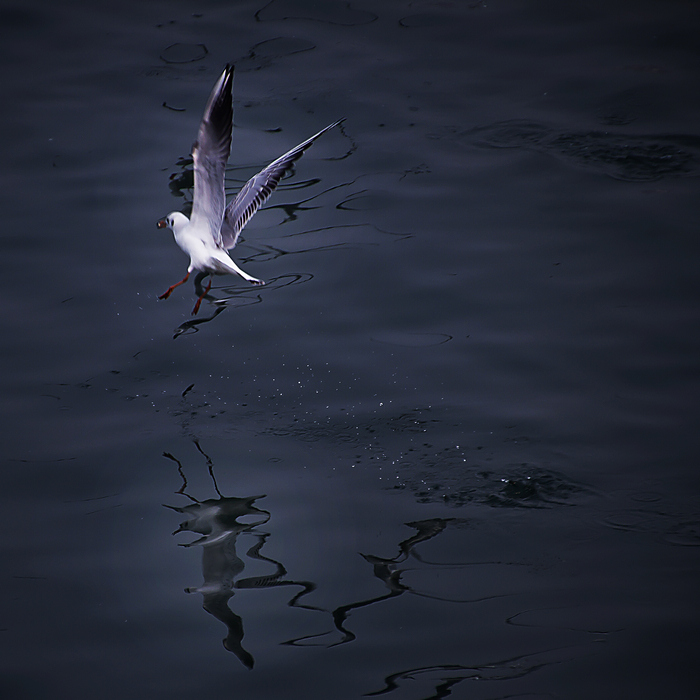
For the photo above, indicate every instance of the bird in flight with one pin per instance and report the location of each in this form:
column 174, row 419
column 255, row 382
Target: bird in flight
column 214, row 228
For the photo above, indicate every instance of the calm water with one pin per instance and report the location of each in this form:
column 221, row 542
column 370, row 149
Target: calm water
column 450, row 449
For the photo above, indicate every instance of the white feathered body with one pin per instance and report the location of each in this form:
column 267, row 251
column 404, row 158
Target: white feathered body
column 214, row 227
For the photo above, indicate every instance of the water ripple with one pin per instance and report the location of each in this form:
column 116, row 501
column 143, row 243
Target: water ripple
column 629, row 157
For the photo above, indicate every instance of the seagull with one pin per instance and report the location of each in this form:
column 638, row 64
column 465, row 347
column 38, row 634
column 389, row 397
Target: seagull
column 214, row 228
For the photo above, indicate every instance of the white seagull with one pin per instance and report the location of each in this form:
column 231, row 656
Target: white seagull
column 214, row 227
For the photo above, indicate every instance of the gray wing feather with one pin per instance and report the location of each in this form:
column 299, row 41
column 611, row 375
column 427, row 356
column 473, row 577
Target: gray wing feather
column 210, row 152
column 258, row 189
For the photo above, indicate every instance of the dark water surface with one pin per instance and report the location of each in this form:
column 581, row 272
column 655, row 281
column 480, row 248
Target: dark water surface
column 450, row 449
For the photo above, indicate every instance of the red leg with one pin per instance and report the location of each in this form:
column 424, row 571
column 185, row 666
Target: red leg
column 170, row 289
column 199, row 301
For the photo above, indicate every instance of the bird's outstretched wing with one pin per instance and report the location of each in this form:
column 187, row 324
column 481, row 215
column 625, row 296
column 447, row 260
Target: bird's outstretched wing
column 258, row 189
column 210, row 152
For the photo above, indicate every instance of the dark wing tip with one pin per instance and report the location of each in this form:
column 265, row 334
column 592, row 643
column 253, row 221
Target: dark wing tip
column 338, row 122
column 228, row 82
column 219, row 112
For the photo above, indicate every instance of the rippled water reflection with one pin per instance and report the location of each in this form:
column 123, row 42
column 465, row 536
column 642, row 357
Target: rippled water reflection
column 449, row 449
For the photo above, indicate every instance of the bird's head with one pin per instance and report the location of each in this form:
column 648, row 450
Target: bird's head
column 174, row 221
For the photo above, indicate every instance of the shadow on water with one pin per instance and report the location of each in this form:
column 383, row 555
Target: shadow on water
column 441, row 678
column 237, row 297
column 218, row 522
column 387, row 570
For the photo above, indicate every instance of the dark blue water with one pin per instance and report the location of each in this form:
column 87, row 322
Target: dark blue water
column 450, row 448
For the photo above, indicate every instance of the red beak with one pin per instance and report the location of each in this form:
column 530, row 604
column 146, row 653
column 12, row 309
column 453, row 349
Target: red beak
column 162, row 224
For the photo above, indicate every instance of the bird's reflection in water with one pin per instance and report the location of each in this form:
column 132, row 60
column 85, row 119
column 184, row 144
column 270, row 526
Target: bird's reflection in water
column 219, row 522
